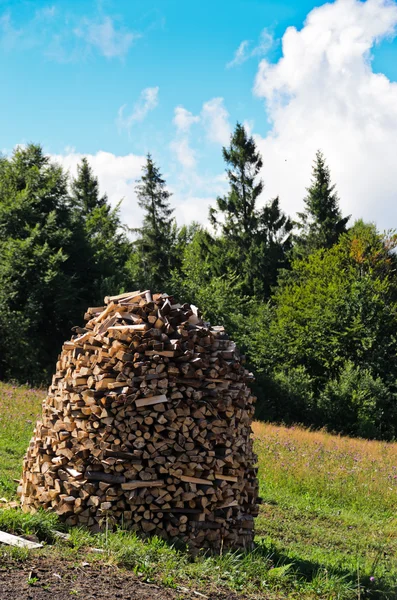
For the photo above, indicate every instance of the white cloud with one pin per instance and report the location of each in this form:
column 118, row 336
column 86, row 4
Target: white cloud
column 265, row 42
column 243, row 52
column 148, row 100
column 249, row 126
column 194, row 208
column 183, row 152
column 194, row 193
column 240, row 56
column 105, row 37
column 323, row 93
column 65, row 38
column 117, row 177
column 180, row 146
column 215, row 120
column 184, row 119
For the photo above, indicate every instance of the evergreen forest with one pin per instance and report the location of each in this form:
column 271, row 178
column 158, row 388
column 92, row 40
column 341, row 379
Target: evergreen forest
column 311, row 301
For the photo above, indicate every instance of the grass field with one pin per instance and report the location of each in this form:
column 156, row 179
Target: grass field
column 327, row 526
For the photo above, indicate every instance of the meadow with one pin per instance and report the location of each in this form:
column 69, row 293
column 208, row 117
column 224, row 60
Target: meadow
column 327, row 527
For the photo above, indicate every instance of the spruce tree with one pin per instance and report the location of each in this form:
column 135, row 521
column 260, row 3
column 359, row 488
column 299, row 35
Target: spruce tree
column 238, row 207
column 60, row 251
column 39, row 293
column 104, row 242
column 156, row 237
column 274, row 242
column 85, row 189
column 321, row 222
column 254, row 241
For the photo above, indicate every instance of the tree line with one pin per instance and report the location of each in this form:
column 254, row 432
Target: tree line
column 312, row 301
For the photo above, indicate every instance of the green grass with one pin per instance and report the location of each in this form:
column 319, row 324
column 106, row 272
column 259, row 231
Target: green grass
column 327, row 528
column 330, row 507
column 19, row 408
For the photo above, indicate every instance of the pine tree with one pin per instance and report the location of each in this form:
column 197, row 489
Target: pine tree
column 238, row 207
column 156, row 237
column 321, row 222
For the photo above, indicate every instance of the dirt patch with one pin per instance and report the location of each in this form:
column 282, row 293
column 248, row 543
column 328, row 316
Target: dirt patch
column 46, row 579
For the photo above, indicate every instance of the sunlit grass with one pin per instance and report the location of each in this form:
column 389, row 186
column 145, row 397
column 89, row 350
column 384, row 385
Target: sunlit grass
column 19, row 408
column 336, row 471
column 327, row 528
column 329, row 505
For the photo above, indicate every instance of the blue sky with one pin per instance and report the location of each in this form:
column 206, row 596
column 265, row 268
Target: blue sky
column 73, row 88
column 115, row 80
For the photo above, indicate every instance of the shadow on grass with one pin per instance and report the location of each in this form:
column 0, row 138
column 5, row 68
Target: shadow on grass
column 366, row 586
column 238, row 569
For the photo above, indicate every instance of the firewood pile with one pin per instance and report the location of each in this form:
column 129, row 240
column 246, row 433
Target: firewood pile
column 147, row 425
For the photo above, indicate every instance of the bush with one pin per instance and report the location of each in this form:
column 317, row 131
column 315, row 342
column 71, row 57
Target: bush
column 326, row 348
column 357, row 403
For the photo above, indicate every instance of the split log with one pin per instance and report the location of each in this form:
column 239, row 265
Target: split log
column 148, row 421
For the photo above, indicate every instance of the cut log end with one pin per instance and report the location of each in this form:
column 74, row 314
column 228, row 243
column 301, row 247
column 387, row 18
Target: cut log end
column 147, row 424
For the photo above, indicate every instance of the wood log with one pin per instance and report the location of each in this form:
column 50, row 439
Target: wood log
column 133, row 485
column 147, row 422
column 150, row 401
column 106, row 477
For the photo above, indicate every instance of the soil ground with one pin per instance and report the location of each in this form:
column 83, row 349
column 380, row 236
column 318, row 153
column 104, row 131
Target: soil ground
column 45, row 579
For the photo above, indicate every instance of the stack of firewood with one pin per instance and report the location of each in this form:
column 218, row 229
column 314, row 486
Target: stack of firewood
column 147, row 425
